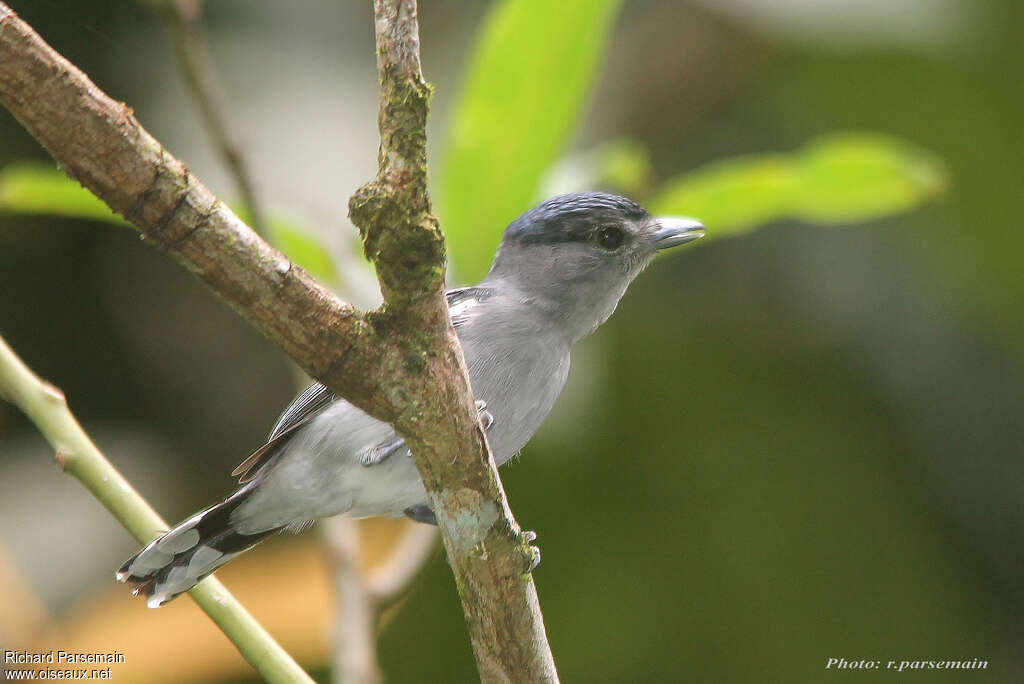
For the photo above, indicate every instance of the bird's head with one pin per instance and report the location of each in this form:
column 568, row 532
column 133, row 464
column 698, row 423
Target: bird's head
column 574, row 255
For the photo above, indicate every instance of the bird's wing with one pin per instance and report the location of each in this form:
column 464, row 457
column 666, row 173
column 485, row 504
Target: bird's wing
column 462, row 299
column 314, row 399
column 318, row 397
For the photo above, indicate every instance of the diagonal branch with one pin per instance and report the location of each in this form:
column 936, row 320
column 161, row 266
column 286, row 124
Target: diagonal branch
column 401, row 364
column 98, row 142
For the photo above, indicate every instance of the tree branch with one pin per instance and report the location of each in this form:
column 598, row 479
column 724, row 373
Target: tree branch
column 408, row 554
column 360, row 589
column 487, row 551
column 401, row 364
column 353, row 639
column 181, row 23
column 75, row 453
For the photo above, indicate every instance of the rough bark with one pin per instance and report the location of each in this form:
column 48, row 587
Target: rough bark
column 488, row 554
column 401, row 364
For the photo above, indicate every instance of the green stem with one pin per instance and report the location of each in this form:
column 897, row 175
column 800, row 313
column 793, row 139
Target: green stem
column 76, row 454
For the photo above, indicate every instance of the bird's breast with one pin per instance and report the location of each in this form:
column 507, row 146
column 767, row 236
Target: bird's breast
column 519, row 374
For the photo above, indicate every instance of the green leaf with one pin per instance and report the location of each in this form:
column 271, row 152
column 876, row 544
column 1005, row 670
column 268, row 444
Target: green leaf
column 842, row 178
column 43, row 189
column 530, row 73
column 27, row 188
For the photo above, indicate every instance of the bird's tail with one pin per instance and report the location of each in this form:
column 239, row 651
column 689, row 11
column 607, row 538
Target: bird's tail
column 175, row 561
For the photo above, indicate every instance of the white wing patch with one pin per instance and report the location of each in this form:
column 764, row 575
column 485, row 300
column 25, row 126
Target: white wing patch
column 462, row 300
column 462, row 307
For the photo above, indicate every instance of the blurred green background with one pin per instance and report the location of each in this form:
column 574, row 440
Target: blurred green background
column 797, row 444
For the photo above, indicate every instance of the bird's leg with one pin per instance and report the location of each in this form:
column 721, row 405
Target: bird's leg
column 486, row 417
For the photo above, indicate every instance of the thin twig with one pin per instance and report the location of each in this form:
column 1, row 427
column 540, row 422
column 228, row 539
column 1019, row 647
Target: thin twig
column 76, row 455
column 360, row 591
column 408, row 554
column 181, row 21
column 354, row 638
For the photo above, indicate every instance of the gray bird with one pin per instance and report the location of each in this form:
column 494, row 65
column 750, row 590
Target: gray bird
column 559, row 273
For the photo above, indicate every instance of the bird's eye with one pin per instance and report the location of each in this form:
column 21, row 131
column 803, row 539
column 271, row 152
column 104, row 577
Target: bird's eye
column 609, row 237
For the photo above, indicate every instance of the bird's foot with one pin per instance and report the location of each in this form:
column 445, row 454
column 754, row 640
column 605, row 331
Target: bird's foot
column 531, row 552
column 486, row 417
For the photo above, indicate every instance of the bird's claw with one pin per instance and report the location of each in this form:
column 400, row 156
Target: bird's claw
column 486, row 417
column 532, row 552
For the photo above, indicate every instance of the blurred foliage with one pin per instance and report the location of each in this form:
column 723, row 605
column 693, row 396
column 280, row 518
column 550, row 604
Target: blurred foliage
column 622, row 165
column 302, row 248
column 528, row 78
column 31, row 188
column 799, row 445
column 839, row 179
column 521, row 102
column 531, row 70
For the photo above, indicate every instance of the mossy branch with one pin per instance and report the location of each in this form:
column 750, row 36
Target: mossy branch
column 488, row 553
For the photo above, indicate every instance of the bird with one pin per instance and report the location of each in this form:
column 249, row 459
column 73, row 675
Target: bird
column 559, row 273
